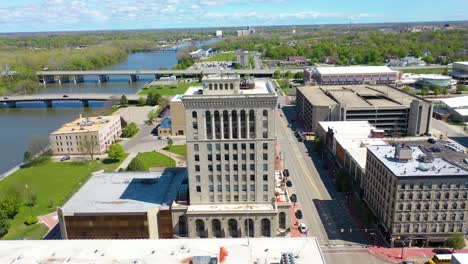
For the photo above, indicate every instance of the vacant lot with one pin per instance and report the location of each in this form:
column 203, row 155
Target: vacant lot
column 178, row 149
column 155, row 159
column 228, row 56
column 178, row 88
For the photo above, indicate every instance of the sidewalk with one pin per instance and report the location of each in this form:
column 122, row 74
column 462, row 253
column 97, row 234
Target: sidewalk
column 420, row 255
column 127, row 161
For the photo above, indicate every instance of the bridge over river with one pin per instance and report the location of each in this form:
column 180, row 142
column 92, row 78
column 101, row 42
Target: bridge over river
column 11, row 101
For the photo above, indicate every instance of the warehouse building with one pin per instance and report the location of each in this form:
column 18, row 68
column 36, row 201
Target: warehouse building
column 418, row 191
column 350, row 75
column 385, row 107
column 458, row 107
column 460, row 72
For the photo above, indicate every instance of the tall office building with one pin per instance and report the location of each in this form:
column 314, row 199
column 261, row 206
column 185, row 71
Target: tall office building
column 233, row 188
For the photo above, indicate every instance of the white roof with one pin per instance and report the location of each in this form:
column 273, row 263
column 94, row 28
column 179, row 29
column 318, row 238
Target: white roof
column 462, row 62
column 456, row 102
column 305, row 250
column 355, row 70
column 348, row 129
column 122, row 192
column 357, row 148
column 190, row 91
column 462, row 112
column 461, row 257
column 439, row 167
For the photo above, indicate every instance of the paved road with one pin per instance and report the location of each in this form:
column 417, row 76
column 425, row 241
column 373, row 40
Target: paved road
column 448, row 130
column 324, row 212
column 350, row 256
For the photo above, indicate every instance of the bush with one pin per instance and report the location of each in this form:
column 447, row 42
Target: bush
column 116, row 152
column 130, row 130
column 4, row 224
column 30, row 220
column 10, row 205
column 136, row 165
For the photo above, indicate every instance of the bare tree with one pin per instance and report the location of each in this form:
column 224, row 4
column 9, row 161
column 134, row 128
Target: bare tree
column 37, row 144
column 90, row 145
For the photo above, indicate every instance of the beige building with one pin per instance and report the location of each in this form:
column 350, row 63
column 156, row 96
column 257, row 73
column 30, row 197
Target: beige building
column 234, row 190
column 418, row 191
column 86, row 133
column 385, row 107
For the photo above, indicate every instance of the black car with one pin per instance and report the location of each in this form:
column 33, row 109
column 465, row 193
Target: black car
column 299, row 214
column 65, row 96
column 293, row 198
column 286, row 173
column 431, row 140
column 289, row 183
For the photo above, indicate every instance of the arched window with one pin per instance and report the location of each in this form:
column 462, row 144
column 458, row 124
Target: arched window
column 235, row 125
column 210, row 86
column 251, row 124
column 217, row 120
column 216, row 86
column 282, row 220
column 200, row 228
column 249, row 227
column 243, row 124
column 182, row 226
column 265, row 227
column 265, row 123
column 226, row 124
column 216, row 228
column 209, row 131
column 226, row 86
column 232, row 227
column 195, row 124
column 232, row 86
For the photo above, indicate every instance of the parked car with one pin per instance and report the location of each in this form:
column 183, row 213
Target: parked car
column 303, row 228
column 64, row 158
column 5, row 98
column 286, row 172
column 289, row 183
column 431, row 140
column 65, row 96
column 293, row 198
column 299, row 214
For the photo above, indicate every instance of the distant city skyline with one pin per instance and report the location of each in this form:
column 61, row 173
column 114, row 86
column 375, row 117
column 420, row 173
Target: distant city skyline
column 76, row 15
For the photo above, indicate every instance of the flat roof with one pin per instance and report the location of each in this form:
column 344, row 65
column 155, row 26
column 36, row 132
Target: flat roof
column 357, row 147
column 305, row 250
column 241, row 208
column 461, row 62
column 355, row 70
column 86, row 124
column 438, row 167
column 461, row 257
column 262, row 86
column 192, row 90
column 126, row 192
column 367, row 96
column 315, row 96
column 462, row 112
column 166, row 123
column 456, row 102
column 221, row 77
column 348, row 129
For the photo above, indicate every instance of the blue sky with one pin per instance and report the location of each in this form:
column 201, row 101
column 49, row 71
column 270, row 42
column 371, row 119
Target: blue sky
column 59, row 15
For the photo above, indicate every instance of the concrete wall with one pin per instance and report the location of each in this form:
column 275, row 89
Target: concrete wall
column 178, row 119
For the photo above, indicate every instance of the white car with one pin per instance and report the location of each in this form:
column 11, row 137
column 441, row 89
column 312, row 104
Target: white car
column 303, row 228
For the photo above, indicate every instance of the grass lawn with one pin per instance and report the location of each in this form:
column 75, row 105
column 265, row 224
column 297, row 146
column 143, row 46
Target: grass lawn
column 229, row 56
column 425, row 71
column 177, row 149
column 156, row 159
column 180, row 88
column 53, row 183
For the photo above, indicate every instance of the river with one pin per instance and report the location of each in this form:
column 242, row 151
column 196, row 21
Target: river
column 31, row 120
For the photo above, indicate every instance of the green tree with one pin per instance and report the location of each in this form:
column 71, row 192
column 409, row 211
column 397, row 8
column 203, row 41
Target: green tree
column 116, row 152
column 461, row 88
column 136, row 165
column 141, row 101
column 123, row 100
column 4, row 224
column 277, row 74
column 318, row 144
column 289, row 75
column 436, row 90
column 424, row 90
column 406, row 89
column 445, row 71
column 152, row 115
column 130, row 130
column 153, row 99
column 299, row 75
column 27, row 157
column 11, row 204
column 456, row 241
column 170, row 142
column 445, row 91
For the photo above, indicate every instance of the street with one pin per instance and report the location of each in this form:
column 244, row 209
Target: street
column 323, row 208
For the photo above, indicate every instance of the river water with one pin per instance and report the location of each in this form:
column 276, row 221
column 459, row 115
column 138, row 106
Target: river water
column 31, row 120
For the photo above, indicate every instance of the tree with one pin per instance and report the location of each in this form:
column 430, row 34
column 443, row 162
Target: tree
column 4, row 224
column 445, row 71
column 406, row 89
column 436, row 90
column 116, row 152
column 170, row 142
column 90, row 145
column 130, row 130
column 318, row 144
column 289, row 75
column 136, row 165
column 424, row 90
column 461, row 88
column 37, row 144
column 445, row 91
column 10, row 205
column 277, row 74
column 152, row 115
column 153, row 99
column 456, row 241
column 299, row 75
column 27, row 157
column 141, row 101
column 123, row 100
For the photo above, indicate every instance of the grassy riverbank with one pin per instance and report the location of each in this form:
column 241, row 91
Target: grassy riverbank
column 53, row 183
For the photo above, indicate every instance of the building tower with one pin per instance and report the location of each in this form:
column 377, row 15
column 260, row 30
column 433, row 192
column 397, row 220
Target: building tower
column 230, row 160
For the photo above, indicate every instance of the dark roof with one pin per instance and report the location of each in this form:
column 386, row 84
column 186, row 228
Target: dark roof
column 166, row 123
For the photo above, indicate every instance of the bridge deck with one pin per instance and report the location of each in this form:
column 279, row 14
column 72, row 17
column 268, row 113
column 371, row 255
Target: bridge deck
column 152, row 72
column 67, row 97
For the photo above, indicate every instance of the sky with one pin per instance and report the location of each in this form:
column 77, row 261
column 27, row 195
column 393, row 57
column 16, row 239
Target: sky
column 75, row 15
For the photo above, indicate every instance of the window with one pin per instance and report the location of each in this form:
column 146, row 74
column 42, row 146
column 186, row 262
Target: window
column 265, row 146
column 226, row 156
column 252, row 146
column 265, row 177
column 197, row 168
column 252, row 187
column 198, row 188
column 209, row 147
column 252, row 177
column 265, row 187
column 197, row 157
column 244, row 187
column 265, row 156
column 197, row 178
column 265, row 167
column 218, row 157
column 210, row 167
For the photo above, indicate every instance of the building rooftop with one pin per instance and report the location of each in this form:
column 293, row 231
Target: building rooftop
column 366, row 96
column 462, row 112
column 456, row 102
column 461, row 257
column 240, row 208
column 166, row 123
column 168, row 251
column 210, row 77
column 355, row 70
column 262, row 86
column 445, row 160
column 86, row 124
column 122, row 192
column 357, row 147
column 348, row 129
column 316, row 96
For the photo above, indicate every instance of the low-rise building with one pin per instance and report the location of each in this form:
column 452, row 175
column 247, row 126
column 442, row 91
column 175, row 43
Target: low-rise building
column 304, row 250
column 430, row 80
column 460, row 71
column 243, row 58
column 350, row 75
column 299, row 60
column 85, row 135
column 418, row 191
column 385, row 107
column 165, row 128
column 128, row 205
column 458, row 107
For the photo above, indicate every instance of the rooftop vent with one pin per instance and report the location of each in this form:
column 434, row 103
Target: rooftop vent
column 425, row 158
column 423, row 167
column 403, row 153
